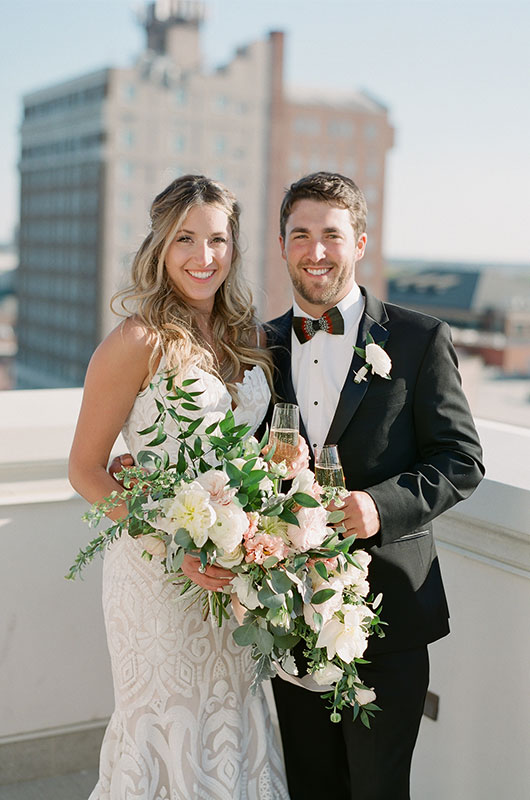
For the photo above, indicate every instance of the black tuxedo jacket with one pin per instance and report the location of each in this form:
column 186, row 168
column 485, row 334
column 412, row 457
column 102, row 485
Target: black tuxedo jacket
column 410, row 442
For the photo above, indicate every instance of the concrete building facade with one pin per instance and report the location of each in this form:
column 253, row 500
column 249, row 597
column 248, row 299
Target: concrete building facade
column 96, row 150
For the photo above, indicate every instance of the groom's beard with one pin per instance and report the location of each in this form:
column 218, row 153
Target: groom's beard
column 330, row 291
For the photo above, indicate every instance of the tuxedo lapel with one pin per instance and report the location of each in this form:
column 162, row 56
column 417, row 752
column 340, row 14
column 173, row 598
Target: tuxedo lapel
column 372, row 322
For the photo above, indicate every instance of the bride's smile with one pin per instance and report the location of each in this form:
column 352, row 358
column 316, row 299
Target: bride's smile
column 198, row 259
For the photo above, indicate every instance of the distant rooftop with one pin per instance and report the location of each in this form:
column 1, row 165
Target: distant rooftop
column 355, row 100
column 471, row 290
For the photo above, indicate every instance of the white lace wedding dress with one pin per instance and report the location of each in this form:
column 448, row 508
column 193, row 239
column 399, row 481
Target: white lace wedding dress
column 186, row 725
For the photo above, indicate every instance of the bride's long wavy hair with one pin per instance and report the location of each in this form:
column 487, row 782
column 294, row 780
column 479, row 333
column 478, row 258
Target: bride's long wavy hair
column 156, row 302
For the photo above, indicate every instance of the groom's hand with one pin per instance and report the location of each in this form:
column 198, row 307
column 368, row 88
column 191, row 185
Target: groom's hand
column 118, row 463
column 360, row 515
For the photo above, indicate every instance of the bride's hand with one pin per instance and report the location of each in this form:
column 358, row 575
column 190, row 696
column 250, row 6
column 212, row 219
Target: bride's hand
column 213, row 578
column 300, row 460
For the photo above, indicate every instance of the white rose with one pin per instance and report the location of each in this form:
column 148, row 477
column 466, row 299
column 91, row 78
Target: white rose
column 347, row 639
column 351, row 576
column 363, row 558
column 230, row 524
column 247, row 595
column 153, row 545
column 378, row 360
column 364, row 696
column 190, row 509
column 215, row 481
column 328, row 607
column 251, row 446
column 330, row 673
column 303, row 482
column 232, row 559
column 312, row 529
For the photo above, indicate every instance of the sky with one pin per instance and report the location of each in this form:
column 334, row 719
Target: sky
column 454, row 74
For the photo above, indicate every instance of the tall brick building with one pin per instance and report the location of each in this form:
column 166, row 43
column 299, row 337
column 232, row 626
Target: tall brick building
column 96, row 150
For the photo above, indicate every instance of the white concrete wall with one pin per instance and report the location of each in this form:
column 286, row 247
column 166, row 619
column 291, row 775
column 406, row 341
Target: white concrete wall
column 478, row 747
column 53, row 657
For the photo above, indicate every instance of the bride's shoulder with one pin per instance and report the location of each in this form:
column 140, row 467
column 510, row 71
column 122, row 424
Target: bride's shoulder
column 133, row 334
column 131, row 343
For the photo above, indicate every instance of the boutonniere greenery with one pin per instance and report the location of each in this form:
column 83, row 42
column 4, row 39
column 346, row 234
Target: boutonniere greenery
column 376, row 360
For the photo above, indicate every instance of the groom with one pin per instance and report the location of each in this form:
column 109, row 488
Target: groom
column 409, row 450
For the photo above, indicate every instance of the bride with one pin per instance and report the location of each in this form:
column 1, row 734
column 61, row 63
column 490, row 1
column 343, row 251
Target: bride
column 186, row 725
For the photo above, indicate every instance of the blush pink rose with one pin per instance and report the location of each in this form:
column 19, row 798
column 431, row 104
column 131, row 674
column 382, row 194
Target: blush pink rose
column 263, row 545
column 253, row 519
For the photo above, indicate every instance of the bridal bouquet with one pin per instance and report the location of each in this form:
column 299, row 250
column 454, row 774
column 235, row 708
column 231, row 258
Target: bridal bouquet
column 296, row 582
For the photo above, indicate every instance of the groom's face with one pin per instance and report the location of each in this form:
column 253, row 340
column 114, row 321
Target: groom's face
column 321, row 250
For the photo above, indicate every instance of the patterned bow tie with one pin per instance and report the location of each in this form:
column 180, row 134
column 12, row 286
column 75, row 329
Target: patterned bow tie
column 330, row 322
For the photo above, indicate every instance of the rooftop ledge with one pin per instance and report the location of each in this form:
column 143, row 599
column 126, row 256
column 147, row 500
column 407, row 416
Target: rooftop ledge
column 36, row 428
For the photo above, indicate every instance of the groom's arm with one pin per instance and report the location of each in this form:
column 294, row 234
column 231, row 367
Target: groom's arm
column 449, row 465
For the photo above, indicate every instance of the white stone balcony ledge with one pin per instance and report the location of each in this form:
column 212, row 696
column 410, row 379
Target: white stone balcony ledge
column 56, row 690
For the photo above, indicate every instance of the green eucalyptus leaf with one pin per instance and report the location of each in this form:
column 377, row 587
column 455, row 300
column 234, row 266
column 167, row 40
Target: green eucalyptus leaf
column 182, row 537
column 322, row 596
column 281, row 582
column 160, row 438
column 150, row 429
column 233, row 472
column 335, row 516
column 285, row 641
column 264, row 640
column 273, row 511
column 305, row 500
column 270, row 599
column 245, row 634
column 322, row 569
column 288, row 516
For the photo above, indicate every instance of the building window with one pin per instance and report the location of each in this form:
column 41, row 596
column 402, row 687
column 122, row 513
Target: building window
column 129, row 91
column 179, row 143
column 126, row 200
column 180, row 96
column 370, row 131
column 127, row 169
column 372, row 168
column 221, row 102
column 127, row 138
column 220, row 144
column 340, row 128
column 371, row 194
column 309, row 126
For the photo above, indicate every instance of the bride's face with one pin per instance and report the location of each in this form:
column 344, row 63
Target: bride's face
column 199, row 257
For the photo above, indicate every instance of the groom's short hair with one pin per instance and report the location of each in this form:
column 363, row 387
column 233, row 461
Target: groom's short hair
column 327, row 187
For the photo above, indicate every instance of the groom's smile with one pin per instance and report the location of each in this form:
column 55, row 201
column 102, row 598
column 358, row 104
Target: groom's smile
column 321, row 250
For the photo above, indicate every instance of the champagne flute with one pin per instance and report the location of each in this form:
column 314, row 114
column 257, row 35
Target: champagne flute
column 284, row 431
column 328, row 469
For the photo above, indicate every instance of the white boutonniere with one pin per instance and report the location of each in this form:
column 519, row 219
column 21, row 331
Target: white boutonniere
column 376, row 360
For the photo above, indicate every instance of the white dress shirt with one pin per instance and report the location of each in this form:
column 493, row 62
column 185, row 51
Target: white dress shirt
column 320, row 366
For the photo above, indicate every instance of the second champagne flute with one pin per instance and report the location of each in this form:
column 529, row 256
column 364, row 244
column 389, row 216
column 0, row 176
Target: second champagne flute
column 328, row 469
column 284, row 431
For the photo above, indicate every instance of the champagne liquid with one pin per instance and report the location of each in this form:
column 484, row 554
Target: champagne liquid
column 286, row 441
column 330, row 476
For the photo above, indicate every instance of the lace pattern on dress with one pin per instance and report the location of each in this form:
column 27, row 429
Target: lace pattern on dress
column 186, row 725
